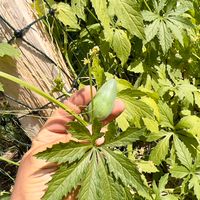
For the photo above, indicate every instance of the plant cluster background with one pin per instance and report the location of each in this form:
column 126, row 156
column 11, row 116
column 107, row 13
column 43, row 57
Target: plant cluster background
column 152, row 48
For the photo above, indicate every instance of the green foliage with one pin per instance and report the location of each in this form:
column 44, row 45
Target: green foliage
column 91, row 167
column 121, row 45
column 132, row 103
column 8, row 50
column 167, row 22
column 151, row 151
column 66, row 15
column 152, row 49
column 129, row 17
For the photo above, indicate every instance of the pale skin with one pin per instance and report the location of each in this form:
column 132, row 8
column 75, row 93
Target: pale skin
column 34, row 174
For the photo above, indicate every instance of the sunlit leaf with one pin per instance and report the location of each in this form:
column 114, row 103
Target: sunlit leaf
column 165, row 37
column 66, row 15
column 8, row 50
column 166, row 115
column 190, row 123
column 64, row 152
column 101, row 10
column 121, row 45
column 79, row 131
column 127, row 137
column 179, row 171
column 65, row 179
column 147, row 166
column 135, row 109
column 128, row 13
column 160, row 151
column 195, row 183
column 151, row 125
column 90, row 185
column 163, row 182
column 123, row 169
column 78, row 7
column 183, row 153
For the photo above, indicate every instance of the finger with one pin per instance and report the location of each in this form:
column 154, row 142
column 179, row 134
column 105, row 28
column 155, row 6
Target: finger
column 117, row 110
column 78, row 101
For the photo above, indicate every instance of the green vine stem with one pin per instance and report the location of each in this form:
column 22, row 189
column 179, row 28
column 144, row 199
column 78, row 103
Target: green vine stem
column 91, row 93
column 9, row 161
column 45, row 95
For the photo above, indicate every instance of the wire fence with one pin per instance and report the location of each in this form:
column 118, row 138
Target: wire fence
column 19, row 34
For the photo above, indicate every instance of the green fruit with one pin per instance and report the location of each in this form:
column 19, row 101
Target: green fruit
column 103, row 101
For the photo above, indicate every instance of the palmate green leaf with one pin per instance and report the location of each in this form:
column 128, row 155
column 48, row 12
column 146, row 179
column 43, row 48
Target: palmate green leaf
column 182, row 8
column 128, row 13
column 147, row 166
column 121, row 45
column 156, row 190
column 110, row 189
column 8, row 50
column 66, row 178
column 123, row 169
column 117, row 191
column 156, row 136
column 179, row 171
column 151, row 30
column 136, row 66
column 101, row 10
column 175, row 31
column 161, row 4
column 127, row 137
column 166, row 115
column 65, row 152
column 122, row 122
column 165, row 37
column 163, row 182
column 152, row 104
column 160, row 151
column 151, row 125
column 96, row 130
column 195, row 183
column 184, row 185
column 90, row 184
column 78, row 7
column 181, row 22
column 191, row 124
column 132, row 92
column 183, row 153
column 123, row 84
column 149, row 16
column 135, row 109
column 111, row 132
column 184, row 90
column 79, row 131
column 169, row 25
column 66, row 15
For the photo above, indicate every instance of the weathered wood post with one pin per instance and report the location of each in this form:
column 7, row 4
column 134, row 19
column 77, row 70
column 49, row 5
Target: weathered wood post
column 32, row 66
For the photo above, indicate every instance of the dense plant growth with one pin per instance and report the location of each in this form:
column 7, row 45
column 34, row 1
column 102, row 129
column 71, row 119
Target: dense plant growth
column 152, row 49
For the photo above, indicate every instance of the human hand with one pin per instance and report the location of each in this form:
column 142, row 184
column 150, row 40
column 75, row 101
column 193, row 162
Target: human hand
column 34, row 174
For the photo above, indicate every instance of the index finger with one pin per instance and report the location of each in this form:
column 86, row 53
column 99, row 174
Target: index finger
column 78, row 101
